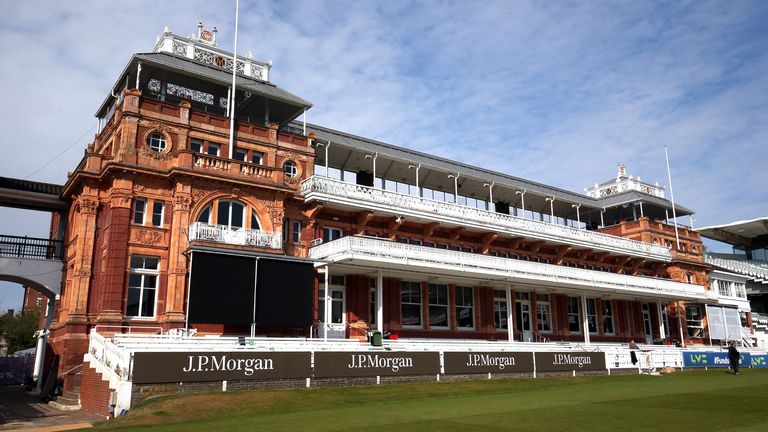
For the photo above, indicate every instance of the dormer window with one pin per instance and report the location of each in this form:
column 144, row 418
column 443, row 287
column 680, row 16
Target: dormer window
column 156, row 142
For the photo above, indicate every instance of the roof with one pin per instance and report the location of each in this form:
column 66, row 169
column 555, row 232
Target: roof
column 436, row 162
column 31, row 186
column 218, row 76
column 742, row 267
column 739, row 233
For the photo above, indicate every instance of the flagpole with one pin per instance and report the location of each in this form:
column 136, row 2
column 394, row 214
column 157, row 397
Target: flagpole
column 672, row 196
column 234, row 77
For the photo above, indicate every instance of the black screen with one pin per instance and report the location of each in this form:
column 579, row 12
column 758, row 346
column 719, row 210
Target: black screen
column 284, row 293
column 221, row 289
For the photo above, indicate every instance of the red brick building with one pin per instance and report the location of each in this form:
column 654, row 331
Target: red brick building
column 165, row 202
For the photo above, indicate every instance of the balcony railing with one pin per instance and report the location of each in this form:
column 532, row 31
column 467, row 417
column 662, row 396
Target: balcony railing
column 395, row 255
column 233, row 166
column 224, row 234
column 30, row 247
column 365, row 197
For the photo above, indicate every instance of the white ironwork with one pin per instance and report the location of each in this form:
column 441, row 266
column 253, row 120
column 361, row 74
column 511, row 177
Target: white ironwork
column 324, row 189
column 210, row 55
column 624, row 183
column 444, row 261
column 227, row 235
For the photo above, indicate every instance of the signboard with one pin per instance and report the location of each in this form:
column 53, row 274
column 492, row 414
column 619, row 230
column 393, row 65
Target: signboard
column 346, row 364
column 712, row 359
column 484, row 362
column 172, row 367
column 759, row 360
column 569, row 361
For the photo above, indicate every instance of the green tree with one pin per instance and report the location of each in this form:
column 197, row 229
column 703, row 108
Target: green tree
column 19, row 330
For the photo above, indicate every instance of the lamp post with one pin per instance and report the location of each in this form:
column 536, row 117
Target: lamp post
column 490, row 191
column 522, row 199
column 602, row 221
column 455, row 178
column 578, row 217
column 417, row 168
column 551, row 209
column 374, row 157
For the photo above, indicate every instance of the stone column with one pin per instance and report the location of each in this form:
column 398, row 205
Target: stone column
column 116, row 234
column 76, row 300
column 178, row 263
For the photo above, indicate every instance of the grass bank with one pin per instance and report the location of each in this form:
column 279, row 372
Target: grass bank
column 691, row 400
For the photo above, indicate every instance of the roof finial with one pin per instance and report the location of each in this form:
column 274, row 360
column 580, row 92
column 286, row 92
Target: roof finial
column 622, row 170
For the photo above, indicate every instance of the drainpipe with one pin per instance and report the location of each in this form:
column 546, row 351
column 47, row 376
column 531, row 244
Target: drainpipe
column 522, row 199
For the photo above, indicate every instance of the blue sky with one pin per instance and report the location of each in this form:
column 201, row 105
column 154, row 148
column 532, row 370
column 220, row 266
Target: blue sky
column 556, row 92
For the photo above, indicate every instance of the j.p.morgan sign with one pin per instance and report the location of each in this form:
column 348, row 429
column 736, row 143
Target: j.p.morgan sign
column 569, row 361
column 483, row 362
column 341, row 364
column 149, row 367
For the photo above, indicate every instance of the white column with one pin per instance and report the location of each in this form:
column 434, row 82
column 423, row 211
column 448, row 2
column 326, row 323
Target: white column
column 510, row 321
column 380, row 301
column 585, row 323
column 326, row 309
column 662, row 332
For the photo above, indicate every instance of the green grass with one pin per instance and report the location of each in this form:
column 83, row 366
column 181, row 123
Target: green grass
column 691, row 400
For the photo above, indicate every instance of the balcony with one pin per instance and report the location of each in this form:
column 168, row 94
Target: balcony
column 200, row 231
column 234, row 167
column 385, row 254
column 359, row 197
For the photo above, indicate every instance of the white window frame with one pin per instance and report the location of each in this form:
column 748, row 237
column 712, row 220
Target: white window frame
column 543, row 308
column 255, row 155
column 290, row 169
column 136, row 211
column 609, row 317
column 156, row 142
column 330, row 231
column 241, row 152
column 446, row 306
column 499, row 300
column 155, row 205
column 196, row 142
column 420, row 304
column 593, row 315
column 570, row 313
column 143, row 272
column 213, row 146
column 464, row 305
column 296, row 231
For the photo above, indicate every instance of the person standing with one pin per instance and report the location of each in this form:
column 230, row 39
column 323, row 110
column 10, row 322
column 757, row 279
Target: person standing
column 633, row 347
column 734, row 357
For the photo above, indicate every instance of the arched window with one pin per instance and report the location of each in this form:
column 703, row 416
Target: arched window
column 205, row 215
column 156, row 142
column 290, row 169
column 255, row 225
column 689, row 278
column 230, row 214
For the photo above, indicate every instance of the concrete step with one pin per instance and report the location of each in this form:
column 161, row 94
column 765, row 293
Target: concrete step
column 69, row 401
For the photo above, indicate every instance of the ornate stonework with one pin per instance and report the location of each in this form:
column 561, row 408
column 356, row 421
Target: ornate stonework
column 182, row 203
column 87, row 205
column 148, row 237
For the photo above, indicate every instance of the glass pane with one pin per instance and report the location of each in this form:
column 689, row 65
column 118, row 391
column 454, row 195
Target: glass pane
column 132, row 306
column 464, row 317
column 411, row 315
column 254, row 221
column 336, row 311
column 137, row 262
column 151, row 263
column 134, row 281
column 237, row 215
column 438, row 316
column 223, row 216
column 205, row 215
column 148, row 303
column 150, row 281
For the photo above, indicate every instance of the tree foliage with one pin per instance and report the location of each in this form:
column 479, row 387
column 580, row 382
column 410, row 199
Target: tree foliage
column 19, row 330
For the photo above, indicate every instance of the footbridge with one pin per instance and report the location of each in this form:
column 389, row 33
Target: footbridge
column 34, row 262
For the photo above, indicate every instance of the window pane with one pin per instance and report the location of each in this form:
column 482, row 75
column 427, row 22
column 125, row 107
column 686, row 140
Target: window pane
column 223, row 217
column 257, row 158
column 241, row 155
column 148, row 303
column 438, row 316
column 151, row 263
column 139, row 207
column 213, row 149
column 157, row 213
column 237, row 215
column 196, row 145
column 132, row 306
column 205, row 215
column 254, row 221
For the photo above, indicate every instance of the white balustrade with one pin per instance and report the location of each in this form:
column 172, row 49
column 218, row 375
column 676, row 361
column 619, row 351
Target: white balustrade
column 227, row 235
column 442, row 260
column 211, row 163
column 365, row 197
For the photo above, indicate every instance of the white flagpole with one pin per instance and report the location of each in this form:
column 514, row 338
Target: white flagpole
column 672, row 196
column 234, row 77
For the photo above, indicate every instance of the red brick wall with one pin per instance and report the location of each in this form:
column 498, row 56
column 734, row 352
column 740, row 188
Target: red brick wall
column 94, row 393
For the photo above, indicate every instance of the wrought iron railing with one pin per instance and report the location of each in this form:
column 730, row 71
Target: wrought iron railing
column 224, row 234
column 323, row 188
column 31, row 247
column 442, row 260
